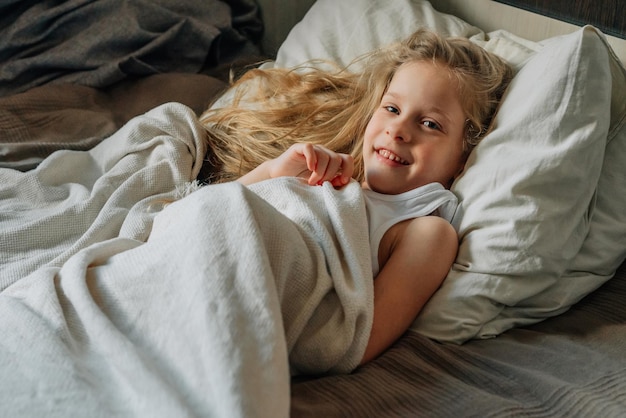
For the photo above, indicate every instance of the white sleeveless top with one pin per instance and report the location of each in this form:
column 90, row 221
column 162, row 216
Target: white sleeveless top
column 384, row 210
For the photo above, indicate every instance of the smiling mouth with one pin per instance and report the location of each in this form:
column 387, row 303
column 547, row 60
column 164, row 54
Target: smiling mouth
column 391, row 156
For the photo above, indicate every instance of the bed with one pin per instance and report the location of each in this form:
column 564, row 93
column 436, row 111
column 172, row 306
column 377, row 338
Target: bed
column 130, row 288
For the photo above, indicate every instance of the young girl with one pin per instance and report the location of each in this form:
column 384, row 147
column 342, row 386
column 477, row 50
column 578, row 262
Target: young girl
column 403, row 127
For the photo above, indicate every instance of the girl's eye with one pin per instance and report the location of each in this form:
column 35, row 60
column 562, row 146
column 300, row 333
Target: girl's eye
column 431, row 125
column 391, row 109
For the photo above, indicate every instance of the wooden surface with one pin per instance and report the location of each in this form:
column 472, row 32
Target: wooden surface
column 606, row 15
column 491, row 15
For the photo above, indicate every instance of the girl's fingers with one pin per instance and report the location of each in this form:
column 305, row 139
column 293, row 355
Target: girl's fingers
column 318, row 172
column 347, row 168
column 325, row 165
column 310, row 155
column 334, row 167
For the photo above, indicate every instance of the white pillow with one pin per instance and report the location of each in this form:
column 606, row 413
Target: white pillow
column 512, row 48
column 341, row 30
column 537, row 234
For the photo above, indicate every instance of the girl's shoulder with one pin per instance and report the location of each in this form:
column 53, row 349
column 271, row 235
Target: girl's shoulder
column 431, row 234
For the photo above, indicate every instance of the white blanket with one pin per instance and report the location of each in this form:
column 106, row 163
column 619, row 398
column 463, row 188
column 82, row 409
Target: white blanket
column 74, row 199
column 205, row 311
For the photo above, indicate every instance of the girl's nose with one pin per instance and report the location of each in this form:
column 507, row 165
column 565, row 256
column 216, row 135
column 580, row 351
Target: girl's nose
column 398, row 131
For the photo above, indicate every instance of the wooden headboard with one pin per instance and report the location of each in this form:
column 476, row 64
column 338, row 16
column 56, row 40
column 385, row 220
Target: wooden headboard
column 605, row 15
column 537, row 20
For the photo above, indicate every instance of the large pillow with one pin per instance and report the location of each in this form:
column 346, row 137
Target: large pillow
column 541, row 216
column 542, row 220
column 342, row 30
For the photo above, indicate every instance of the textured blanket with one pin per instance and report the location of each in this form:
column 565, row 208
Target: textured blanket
column 97, row 43
column 113, row 306
column 74, row 199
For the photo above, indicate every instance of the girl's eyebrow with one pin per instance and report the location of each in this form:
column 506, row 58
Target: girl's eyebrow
column 441, row 113
column 390, row 93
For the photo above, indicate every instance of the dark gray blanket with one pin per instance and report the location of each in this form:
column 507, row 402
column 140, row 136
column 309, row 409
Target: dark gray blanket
column 98, row 43
column 48, row 118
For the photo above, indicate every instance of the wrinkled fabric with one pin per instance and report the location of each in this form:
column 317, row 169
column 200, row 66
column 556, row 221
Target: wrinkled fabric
column 45, row 119
column 97, row 43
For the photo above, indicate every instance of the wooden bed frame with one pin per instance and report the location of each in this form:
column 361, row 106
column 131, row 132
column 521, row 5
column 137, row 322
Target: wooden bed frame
column 491, row 15
column 579, row 12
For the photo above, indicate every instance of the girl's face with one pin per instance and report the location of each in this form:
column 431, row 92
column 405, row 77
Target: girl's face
column 415, row 136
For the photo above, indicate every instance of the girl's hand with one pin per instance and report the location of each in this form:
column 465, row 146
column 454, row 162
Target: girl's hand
column 315, row 162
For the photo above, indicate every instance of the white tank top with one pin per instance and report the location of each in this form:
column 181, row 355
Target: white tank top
column 385, row 210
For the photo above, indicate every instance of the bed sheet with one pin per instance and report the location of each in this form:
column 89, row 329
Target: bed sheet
column 572, row 365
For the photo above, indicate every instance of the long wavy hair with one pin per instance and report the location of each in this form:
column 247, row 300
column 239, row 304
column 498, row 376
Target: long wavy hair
column 321, row 103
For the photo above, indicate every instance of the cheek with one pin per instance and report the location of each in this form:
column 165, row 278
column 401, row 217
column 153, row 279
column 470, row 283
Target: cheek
column 445, row 160
column 456, row 164
column 372, row 129
column 369, row 132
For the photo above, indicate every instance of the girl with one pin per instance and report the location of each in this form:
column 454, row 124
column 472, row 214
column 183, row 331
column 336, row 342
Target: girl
column 403, row 127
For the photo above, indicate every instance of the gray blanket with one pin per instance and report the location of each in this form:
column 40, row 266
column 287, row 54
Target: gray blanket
column 54, row 117
column 97, row 43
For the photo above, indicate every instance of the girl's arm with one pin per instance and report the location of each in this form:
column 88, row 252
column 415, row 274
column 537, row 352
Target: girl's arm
column 315, row 162
column 420, row 254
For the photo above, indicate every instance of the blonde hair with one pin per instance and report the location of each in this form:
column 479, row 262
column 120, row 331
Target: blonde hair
column 273, row 108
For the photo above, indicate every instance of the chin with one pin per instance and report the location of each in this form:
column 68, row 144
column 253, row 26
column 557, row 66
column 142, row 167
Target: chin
column 383, row 189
